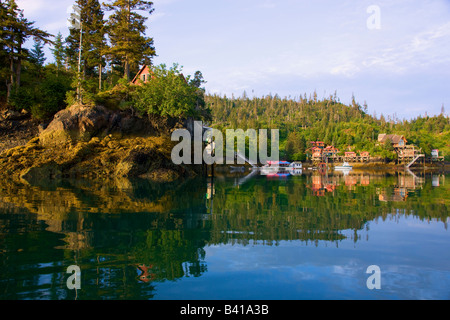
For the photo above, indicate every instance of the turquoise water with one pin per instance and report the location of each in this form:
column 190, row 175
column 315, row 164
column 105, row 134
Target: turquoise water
column 307, row 236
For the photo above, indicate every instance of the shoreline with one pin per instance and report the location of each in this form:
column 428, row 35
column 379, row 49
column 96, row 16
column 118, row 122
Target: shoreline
column 22, row 154
column 366, row 167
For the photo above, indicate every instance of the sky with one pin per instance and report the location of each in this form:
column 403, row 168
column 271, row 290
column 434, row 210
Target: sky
column 392, row 54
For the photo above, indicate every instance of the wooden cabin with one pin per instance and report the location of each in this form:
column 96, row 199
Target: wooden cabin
column 331, row 151
column 350, row 156
column 397, row 141
column 144, row 75
column 316, row 153
column 364, row 155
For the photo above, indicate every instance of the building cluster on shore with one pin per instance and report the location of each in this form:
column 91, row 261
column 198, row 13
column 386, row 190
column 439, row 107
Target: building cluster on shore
column 318, row 152
column 408, row 153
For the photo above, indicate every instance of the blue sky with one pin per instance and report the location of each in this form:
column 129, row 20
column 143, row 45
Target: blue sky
column 292, row 47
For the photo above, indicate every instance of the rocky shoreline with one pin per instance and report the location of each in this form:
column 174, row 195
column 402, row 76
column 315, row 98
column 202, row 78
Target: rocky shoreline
column 16, row 129
column 89, row 142
column 96, row 142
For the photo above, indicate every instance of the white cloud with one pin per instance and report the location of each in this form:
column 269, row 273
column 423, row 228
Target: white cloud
column 422, row 50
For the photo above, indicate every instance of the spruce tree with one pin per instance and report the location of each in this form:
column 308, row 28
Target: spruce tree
column 37, row 55
column 4, row 44
column 16, row 29
column 58, row 52
column 126, row 30
column 95, row 40
column 93, row 43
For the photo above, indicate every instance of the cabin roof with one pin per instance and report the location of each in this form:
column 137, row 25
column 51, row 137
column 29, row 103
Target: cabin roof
column 394, row 138
column 138, row 75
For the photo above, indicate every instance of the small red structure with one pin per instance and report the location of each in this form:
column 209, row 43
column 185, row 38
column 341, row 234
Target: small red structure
column 365, row 154
column 350, row 154
column 144, row 75
column 317, row 144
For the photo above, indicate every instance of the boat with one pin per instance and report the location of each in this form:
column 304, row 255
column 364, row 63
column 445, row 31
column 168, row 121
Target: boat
column 345, row 166
column 296, row 172
column 295, row 168
column 275, row 168
column 278, row 164
column 296, row 165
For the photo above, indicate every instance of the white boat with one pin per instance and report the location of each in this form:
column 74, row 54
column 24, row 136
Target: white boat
column 296, row 172
column 345, row 166
column 275, row 168
column 296, row 165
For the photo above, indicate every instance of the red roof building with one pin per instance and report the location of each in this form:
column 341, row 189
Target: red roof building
column 143, row 75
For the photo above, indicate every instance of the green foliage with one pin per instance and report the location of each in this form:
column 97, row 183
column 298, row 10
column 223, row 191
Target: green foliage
column 126, row 29
column 295, row 148
column 51, row 96
column 169, row 94
column 44, row 98
column 37, row 55
column 118, row 97
column 58, row 52
column 327, row 120
column 388, row 151
column 22, row 98
column 15, row 29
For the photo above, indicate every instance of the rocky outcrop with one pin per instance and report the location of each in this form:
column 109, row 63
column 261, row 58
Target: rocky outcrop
column 147, row 157
column 80, row 123
column 16, row 129
column 94, row 142
column 12, row 115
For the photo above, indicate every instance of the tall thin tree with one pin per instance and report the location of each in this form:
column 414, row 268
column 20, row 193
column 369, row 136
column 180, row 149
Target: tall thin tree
column 58, row 52
column 126, row 30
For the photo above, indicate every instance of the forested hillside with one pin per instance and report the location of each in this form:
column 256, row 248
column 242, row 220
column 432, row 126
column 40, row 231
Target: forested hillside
column 309, row 119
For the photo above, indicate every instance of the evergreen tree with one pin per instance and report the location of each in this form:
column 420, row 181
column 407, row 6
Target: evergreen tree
column 89, row 37
column 95, row 41
column 37, row 55
column 126, row 30
column 58, row 52
column 16, row 29
column 4, row 60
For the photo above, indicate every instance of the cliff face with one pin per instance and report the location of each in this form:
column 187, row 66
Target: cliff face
column 16, row 128
column 81, row 123
column 84, row 141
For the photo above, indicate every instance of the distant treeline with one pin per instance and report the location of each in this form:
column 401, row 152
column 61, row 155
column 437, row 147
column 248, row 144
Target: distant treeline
column 311, row 119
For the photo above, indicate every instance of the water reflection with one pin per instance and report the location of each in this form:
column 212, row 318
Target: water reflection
column 129, row 235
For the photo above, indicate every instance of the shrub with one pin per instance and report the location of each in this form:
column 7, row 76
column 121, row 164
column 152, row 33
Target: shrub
column 22, row 98
column 50, row 97
column 169, row 94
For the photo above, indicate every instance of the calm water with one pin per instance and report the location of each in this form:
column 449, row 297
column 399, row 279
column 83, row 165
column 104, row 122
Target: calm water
column 298, row 237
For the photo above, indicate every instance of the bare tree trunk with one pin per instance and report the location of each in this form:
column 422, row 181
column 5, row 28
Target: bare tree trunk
column 11, row 82
column 127, row 69
column 8, row 93
column 100, row 77
column 127, row 62
column 18, row 72
column 79, row 97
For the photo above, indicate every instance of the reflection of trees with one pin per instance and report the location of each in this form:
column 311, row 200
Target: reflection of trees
column 290, row 209
column 109, row 229
column 128, row 234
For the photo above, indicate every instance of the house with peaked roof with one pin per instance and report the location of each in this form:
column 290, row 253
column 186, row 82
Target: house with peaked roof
column 405, row 152
column 144, row 75
column 397, row 141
